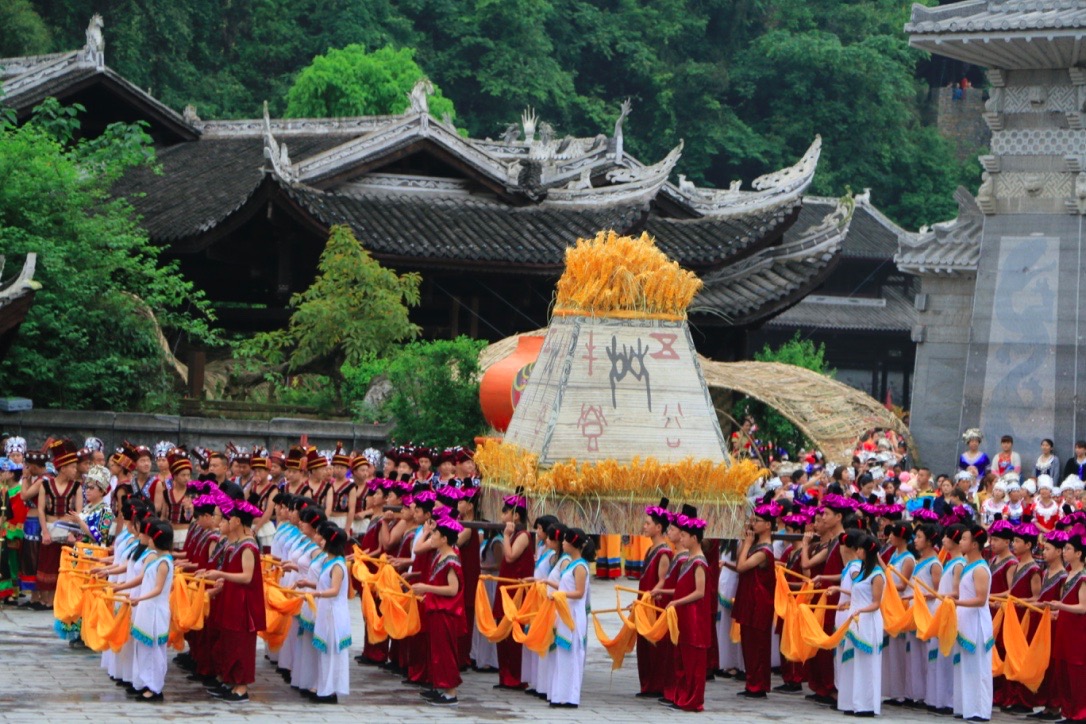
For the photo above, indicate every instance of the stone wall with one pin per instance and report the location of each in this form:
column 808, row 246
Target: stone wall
column 961, row 120
column 113, row 427
column 945, row 304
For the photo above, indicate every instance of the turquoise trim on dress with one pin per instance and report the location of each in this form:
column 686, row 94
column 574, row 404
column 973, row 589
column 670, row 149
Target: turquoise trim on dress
column 848, row 655
column 933, row 654
column 322, row 646
column 725, row 602
column 865, row 646
column 563, row 643
column 989, row 644
column 146, row 639
column 957, row 659
column 967, row 645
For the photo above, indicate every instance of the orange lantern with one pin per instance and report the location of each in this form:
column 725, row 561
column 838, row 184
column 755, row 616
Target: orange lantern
column 503, row 383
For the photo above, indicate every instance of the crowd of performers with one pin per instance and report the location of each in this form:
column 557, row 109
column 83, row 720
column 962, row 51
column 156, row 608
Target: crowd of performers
column 1010, row 594
column 869, row 605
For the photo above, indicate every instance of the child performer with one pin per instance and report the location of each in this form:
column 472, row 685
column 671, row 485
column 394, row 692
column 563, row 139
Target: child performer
column 754, row 599
column 654, row 660
column 844, row 656
column 664, row 592
column 516, row 563
column 895, row 657
column 151, row 612
column 1069, row 638
column 303, row 672
column 422, row 555
column 332, row 627
column 569, row 655
column 825, row 566
column 242, row 603
column 973, row 675
column 941, row 695
column 694, row 625
column 443, row 601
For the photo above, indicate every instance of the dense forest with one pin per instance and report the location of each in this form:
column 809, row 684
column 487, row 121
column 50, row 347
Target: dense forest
column 746, row 83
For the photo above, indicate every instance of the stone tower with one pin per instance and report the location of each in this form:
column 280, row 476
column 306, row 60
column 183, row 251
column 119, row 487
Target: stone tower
column 1003, row 287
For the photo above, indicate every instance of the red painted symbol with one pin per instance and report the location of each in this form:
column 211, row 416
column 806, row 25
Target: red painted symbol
column 591, row 356
column 667, row 345
column 592, row 421
column 673, row 415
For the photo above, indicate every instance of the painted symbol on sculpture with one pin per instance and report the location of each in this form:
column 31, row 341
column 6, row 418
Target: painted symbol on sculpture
column 520, row 382
column 591, row 356
column 592, row 421
column 673, row 415
column 628, row 361
column 667, row 345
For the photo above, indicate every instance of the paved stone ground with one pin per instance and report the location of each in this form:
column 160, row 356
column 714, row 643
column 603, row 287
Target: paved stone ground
column 41, row 678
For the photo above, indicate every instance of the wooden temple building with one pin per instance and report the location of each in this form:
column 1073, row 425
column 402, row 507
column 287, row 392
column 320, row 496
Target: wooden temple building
column 246, row 205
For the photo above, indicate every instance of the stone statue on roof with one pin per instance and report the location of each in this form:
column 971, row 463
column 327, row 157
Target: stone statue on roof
column 419, row 96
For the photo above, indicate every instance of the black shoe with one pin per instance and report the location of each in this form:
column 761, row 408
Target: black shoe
column 429, row 693
column 647, row 695
column 945, row 711
column 775, row 670
column 751, row 694
column 788, row 688
column 444, row 700
column 120, row 682
column 150, row 699
column 530, row 692
column 741, row 676
column 132, row 691
column 521, row 687
column 665, row 702
column 1043, row 715
column 1016, row 709
column 233, row 698
column 330, row 699
column 977, row 718
column 729, row 674
column 864, row 714
column 555, row 705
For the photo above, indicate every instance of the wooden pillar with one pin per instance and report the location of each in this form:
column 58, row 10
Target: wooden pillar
column 197, row 363
column 474, row 324
column 454, row 317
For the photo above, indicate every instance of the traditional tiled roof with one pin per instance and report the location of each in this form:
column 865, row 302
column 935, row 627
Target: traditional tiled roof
column 1030, row 33
column 951, row 247
column 756, row 288
column 202, row 183
column 436, row 230
column 871, row 234
column 985, row 16
column 26, row 82
column 893, row 312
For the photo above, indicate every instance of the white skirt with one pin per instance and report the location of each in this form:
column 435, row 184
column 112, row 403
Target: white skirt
column 180, row 535
column 265, row 535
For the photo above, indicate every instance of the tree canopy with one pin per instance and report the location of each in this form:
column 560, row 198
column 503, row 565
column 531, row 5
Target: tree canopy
column 352, row 82
column 746, row 83
column 89, row 340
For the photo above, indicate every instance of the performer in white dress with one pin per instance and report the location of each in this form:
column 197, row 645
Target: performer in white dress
column 556, row 533
column 730, row 655
column 895, row 657
column 973, row 675
column 545, row 556
column 303, row 674
column 151, row 613
column 844, row 657
column 942, row 695
column 865, row 634
column 928, row 571
column 123, row 544
column 483, row 652
column 332, row 627
column 571, row 643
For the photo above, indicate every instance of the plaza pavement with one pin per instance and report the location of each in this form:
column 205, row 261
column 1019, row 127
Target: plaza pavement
column 41, row 679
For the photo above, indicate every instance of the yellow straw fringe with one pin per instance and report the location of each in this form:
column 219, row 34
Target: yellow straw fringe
column 640, row 480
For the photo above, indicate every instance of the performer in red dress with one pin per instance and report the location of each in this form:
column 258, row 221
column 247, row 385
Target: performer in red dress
column 242, row 606
column 374, row 499
column 443, row 602
column 753, row 609
column 516, row 564
column 836, row 509
column 694, row 622
column 794, row 673
column 418, row 646
column 653, row 659
column 470, row 562
column 662, row 594
column 1069, row 637
column 1025, row 583
column 1051, row 590
column 1000, row 534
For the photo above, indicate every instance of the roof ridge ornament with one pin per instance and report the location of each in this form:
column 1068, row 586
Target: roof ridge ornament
column 94, row 52
column 624, row 110
column 418, row 98
column 528, row 120
column 277, row 157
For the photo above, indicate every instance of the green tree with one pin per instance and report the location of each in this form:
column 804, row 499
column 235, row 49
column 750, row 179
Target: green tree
column 24, row 33
column 435, row 397
column 354, row 309
column 89, row 340
column 352, row 82
column 774, row 429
